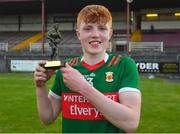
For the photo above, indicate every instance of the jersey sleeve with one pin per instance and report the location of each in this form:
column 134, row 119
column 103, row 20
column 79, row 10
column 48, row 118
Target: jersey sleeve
column 55, row 90
column 130, row 77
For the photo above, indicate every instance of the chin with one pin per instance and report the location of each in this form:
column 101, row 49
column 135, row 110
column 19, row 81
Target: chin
column 95, row 52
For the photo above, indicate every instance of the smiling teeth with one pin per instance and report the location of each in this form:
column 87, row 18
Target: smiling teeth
column 95, row 42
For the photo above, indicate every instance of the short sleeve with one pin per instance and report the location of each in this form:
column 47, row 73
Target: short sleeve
column 56, row 87
column 130, row 77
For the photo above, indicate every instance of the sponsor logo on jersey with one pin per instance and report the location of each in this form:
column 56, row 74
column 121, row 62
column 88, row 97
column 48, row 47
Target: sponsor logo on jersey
column 76, row 106
column 109, row 76
column 90, row 78
column 92, row 74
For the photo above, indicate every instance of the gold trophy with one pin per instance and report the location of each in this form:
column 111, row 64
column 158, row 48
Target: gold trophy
column 54, row 40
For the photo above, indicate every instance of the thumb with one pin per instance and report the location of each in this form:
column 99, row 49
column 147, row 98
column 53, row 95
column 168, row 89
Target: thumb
column 67, row 65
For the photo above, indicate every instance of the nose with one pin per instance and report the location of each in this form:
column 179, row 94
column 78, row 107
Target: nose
column 95, row 33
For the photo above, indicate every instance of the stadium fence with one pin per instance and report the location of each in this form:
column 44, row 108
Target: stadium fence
column 3, row 46
column 146, row 46
column 36, row 47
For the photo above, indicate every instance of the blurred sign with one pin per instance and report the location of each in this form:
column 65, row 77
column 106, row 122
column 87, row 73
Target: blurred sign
column 23, row 65
column 169, row 68
column 158, row 67
column 64, row 18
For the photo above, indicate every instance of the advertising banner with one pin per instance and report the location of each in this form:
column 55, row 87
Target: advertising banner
column 158, row 67
column 23, row 65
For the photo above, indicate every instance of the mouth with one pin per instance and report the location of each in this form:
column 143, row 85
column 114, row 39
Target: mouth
column 95, row 43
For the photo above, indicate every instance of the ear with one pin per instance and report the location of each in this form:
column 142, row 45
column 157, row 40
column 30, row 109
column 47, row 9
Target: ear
column 78, row 33
column 110, row 33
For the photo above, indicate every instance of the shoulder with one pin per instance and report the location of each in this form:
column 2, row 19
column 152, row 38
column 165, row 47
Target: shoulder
column 116, row 59
column 128, row 59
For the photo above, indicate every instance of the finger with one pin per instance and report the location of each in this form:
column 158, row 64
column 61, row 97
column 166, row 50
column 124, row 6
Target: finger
column 40, row 74
column 39, row 78
column 66, row 68
column 40, row 69
column 67, row 65
column 50, row 72
column 63, row 69
column 42, row 62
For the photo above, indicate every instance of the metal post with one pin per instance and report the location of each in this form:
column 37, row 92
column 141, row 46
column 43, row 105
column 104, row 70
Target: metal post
column 128, row 23
column 128, row 27
column 42, row 23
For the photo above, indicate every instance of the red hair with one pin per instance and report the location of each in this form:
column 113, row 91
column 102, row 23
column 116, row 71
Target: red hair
column 94, row 14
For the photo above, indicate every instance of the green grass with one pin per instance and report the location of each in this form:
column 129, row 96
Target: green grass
column 18, row 112
column 160, row 106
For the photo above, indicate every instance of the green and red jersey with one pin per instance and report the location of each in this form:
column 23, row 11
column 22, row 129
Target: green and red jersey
column 113, row 75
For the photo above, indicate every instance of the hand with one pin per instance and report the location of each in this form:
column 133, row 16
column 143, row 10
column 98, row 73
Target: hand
column 42, row 75
column 73, row 79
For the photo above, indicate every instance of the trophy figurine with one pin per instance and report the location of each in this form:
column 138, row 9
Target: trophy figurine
column 54, row 39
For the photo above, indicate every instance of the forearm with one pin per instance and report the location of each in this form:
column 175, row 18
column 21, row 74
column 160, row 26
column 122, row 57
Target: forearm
column 121, row 116
column 44, row 106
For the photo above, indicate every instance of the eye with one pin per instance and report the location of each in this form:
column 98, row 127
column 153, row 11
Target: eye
column 87, row 28
column 102, row 28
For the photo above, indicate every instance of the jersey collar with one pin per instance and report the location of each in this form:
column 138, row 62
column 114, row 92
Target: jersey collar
column 97, row 65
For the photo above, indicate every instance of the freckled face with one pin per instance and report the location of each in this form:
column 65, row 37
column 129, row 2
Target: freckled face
column 94, row 38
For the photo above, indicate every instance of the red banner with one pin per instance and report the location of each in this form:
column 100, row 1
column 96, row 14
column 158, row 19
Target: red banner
column 76, row 106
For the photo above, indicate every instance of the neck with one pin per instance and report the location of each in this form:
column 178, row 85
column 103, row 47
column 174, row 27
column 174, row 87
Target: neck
column 93, row 59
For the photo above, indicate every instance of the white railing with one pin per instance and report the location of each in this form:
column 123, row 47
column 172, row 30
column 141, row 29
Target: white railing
column 3, row 46
column 38, row 47
column 146, row 46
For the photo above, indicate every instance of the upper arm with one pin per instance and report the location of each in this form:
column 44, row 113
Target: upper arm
column 56, row 105
column 54, row 95
column 132, row 100
column 129, row 93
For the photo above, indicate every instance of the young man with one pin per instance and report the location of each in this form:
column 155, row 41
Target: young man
column 96, row 92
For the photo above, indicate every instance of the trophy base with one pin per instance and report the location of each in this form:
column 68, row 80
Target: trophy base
column 54, row 65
